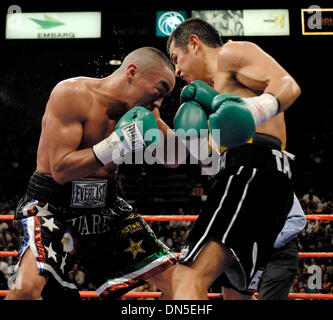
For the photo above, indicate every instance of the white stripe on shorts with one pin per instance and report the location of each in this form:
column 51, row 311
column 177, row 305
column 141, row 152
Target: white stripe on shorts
column 212, row 219
column 239, row 205
column 31, row 233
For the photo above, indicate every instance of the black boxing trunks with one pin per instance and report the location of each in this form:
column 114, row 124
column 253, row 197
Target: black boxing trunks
column 85, row 221
column 246, row 209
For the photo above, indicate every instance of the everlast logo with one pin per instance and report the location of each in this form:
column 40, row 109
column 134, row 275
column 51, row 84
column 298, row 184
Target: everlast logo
column 133, row 136
column 89, row 194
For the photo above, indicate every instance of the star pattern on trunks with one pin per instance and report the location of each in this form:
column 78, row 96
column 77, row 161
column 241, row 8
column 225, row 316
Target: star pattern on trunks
column 43, row 211
column 49, row 223
column 50, row 252
column 135, row 247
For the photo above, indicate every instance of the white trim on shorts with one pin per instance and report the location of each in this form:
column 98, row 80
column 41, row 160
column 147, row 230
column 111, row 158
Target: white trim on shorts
column 211, row 221
column 254, row 171
column 135, row 274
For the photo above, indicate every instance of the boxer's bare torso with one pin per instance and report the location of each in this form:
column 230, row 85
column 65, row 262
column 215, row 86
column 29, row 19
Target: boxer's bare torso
column 240, row 68
column 83, row 111
column 75, row 118
column 232, row 78
column 275, row 126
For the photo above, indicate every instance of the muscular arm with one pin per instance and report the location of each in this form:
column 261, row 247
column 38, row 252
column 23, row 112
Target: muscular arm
column 63, row 131
column 258, row 71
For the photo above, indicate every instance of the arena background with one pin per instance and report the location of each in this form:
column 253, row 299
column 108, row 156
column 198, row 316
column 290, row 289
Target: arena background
column 29, row 69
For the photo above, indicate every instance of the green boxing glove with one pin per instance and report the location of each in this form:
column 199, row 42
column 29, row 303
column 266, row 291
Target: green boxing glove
column 135, row 130
column 191, row 121
column 232, row 121
column 199, row 92
column 191, row 118
column 237, row 118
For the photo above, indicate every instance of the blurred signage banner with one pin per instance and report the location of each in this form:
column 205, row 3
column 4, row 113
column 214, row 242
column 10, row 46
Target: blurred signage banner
column 274, row 22
column 53, row 25
column 252, row 22
column 167, row 21
column 317, row 21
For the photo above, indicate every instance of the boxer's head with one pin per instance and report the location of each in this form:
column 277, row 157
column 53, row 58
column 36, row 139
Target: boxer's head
column 184, row 47
column 150, row 77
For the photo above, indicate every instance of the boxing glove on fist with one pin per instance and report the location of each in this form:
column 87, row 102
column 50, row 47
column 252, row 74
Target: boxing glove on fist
column 237, row 118
column 191, row 118
column 191, row 121
column 199, row 92
column 130, row 135
column 232, row 124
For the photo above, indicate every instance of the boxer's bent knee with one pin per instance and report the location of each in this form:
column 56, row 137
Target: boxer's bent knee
column 163, row 281
column 188, row 284
column 213, row 260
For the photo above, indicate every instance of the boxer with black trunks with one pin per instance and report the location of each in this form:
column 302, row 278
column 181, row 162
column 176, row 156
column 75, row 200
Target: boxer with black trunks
column 242, row 93
column 71, row 211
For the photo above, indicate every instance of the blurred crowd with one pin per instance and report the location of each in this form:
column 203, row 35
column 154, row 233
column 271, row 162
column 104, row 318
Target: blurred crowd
column 315, row 275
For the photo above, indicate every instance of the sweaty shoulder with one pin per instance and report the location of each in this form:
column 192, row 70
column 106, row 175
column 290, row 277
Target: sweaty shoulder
column 236, row 53
column 70, row 98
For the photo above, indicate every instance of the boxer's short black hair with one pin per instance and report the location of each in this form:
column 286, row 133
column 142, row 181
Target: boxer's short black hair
column 205, row 31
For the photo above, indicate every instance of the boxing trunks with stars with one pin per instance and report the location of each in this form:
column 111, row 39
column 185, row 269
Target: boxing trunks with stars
column 86, row 222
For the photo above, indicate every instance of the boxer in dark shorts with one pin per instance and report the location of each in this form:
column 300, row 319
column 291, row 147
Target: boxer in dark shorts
column 71, row 209
column 245, row 210
column 239, row 93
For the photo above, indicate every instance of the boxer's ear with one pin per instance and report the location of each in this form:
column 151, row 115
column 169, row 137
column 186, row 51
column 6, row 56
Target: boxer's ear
column 194, row 42
column 131, row 71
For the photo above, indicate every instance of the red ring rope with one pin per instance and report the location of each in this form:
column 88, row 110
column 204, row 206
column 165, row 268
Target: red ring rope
column 93, row 294
column 9, row 217
column 301, row 254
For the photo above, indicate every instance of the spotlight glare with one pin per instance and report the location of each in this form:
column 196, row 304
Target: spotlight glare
column 115, row 62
